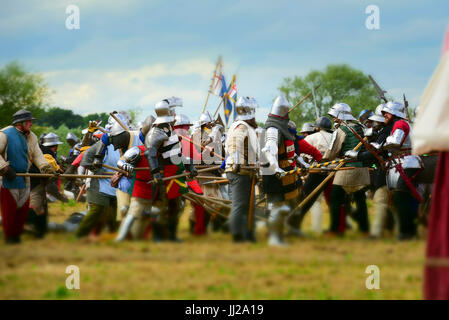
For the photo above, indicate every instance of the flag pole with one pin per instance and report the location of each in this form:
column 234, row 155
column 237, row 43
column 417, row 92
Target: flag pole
column 211, row 83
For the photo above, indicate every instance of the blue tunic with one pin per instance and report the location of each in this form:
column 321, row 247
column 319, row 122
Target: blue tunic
column 17, row 155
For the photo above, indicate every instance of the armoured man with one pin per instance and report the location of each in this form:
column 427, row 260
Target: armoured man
column 163, row 155
column 377, row 135
column 18, row 150
column 122, row 140
column 181, row 128
column 347, row 181
column 242, row 145
column 401, row 169
column 208, row 141
column 279, row 150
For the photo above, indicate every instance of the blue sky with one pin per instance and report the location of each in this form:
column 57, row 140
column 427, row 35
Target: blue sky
column 134, row 53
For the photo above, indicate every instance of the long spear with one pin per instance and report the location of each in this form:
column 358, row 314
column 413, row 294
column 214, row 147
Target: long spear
column 185, row 174
column 323, row 183
column 68, row 176
column 303, row 99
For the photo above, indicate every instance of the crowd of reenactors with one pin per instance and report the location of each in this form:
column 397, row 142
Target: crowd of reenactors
column 138, row 179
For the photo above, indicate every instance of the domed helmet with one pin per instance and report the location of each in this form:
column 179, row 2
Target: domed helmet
column 244, row 109
column 50, row 139
column 205, row 118
column 182, row 120
column 114, row 127
column 307, row 128
column 377, row 116
column 280, row 107
column 163, row 112
column 341, row 111
column 394, row 108
column 364, row 115
column 70, row 136
column 323, row 123
column 292, row 125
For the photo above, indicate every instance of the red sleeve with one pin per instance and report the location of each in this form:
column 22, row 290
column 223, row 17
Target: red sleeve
column 307, row 148
column 403, row 125
column 77, row 160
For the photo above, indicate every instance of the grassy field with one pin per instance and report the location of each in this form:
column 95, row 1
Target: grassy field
column 209, row 267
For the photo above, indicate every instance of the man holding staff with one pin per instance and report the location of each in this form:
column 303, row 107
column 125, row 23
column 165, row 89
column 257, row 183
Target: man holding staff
column 19, row 148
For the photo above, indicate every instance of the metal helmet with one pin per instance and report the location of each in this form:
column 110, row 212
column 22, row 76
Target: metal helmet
column 292, row 125
column 364, row 115
column 377, row 116
column 323, row 123
column 280, row 106
column 395, row 108
column 244, row 109
column 163, row 112
column 51, row 139
column 182, row 120
column 124, row 115
column 341, row 111
column 71, row 136
column 174, row 102
column 116, row 128
column 205, row 118
column 307, row 127
column 41, row 137
column 22, row 115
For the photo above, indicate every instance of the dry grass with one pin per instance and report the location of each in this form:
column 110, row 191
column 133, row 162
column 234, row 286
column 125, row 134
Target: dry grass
column 209, row 268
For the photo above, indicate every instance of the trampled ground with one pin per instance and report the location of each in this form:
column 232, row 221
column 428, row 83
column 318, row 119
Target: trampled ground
column 209, row 267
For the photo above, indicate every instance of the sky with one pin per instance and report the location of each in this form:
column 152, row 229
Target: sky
column 132, row 54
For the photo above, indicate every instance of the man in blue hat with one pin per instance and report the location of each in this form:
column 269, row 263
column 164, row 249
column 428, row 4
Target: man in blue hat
column 19, row 148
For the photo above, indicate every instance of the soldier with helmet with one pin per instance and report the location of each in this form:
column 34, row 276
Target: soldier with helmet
column 18, row 150
column 307, row 129
column 401, row 169
column 181, row 128
column 319, row 140
column 377, row 135
column 38, row 215
column 347, row 181
column 279, row 150
column 162, row 153
column 242, row 145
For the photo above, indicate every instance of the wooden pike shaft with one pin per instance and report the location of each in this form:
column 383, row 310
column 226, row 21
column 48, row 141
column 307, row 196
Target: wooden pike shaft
column 115, row 169
column 83, row 188
column 224, row 181
column 218, row 108
column 210, row 178
column 323, row 183
column 186, row 174
column 68, row 176
column 303, row 99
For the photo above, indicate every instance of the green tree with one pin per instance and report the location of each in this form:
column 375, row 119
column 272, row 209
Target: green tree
column 339, row 83
column 20, row 89
column 56, row 117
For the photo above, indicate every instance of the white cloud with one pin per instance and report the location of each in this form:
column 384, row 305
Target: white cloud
column 89, row 90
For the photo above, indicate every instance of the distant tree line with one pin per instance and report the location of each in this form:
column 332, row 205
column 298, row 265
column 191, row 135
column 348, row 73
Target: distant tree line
column 55, row 117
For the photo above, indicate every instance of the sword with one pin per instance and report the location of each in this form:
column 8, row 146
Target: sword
column 378, row 89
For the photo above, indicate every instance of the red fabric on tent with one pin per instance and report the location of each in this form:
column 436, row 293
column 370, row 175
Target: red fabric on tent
column 436, row 271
